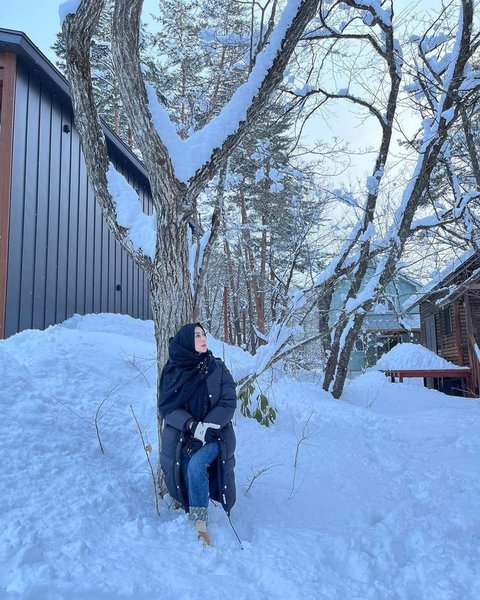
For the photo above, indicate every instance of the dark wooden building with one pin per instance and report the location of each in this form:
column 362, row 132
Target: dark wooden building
column 450, row 315
column 57, row 257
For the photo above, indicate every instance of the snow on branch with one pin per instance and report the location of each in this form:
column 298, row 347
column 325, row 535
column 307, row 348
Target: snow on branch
column 346, row 198
column 195, row 256
column 275, row 347
column 372, row 11
column 471, row 81
column 189, row 155
column 141, row 227
column 432, row 129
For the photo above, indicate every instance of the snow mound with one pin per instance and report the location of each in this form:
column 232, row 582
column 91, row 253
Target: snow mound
column 412, row 356
column 109, row 323
column 237, row 360
column 375, row 501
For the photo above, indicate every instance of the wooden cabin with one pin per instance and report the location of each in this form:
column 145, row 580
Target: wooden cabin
column 450, row 316
column 57, row 256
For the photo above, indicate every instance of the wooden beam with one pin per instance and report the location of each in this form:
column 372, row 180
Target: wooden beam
column 471, row 342
column 457, row 323
column 437, row 373
column 8, row 64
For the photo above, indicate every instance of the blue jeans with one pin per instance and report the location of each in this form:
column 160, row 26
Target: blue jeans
column 195, row 474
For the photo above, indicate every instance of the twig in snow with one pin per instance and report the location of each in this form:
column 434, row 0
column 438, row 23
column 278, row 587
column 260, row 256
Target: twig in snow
column 132, row 361
column 306, row 434
column 257, row 474
column 147, row 448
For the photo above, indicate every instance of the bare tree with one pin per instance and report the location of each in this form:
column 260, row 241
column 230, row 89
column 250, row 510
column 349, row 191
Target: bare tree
column 444, row 79
column 445, row 101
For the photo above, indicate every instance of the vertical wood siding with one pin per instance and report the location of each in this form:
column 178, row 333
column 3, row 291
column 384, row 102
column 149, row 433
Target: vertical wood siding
column 7, row 82
column 62, row 258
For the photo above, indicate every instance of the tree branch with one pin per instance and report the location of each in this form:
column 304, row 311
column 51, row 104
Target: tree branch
column 125, row 50
column 78, row 30
column 305, row 13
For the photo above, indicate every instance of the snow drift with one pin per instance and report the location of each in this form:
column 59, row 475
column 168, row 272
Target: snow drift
column 373, row 497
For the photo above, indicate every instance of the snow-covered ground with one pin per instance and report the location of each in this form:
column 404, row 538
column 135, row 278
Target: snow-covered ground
column 383, row 501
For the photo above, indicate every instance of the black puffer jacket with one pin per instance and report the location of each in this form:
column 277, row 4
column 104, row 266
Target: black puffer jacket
column 223, row 401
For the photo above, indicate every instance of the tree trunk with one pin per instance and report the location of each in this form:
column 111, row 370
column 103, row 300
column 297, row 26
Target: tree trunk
column 263, row 277
column 324, row 303
column 469, row 138
column 170, row 279
column 336, row 348
column 255, row 308
column 202, row 270
column 233, row 294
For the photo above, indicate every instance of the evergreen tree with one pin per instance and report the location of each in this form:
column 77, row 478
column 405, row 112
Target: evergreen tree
column 104, row 79
column 200, row 50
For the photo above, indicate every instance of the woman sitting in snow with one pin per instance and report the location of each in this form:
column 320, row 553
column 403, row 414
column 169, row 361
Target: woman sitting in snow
column 197, row 401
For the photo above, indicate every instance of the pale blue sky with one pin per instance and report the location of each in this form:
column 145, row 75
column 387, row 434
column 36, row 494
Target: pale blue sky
column 39, row 20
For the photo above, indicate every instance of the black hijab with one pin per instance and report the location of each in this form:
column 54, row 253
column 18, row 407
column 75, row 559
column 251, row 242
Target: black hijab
column 183, row 378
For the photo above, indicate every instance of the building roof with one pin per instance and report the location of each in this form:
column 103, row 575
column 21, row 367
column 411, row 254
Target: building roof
column 391, row 322
column 444, row 283
column 28, row 54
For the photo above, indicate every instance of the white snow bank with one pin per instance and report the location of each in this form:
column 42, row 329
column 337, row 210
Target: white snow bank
column 374, row 391
column 108, row 323
column 333, row 502
column 412, row 356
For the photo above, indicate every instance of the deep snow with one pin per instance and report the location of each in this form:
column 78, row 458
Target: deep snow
column 383, row 502
column 413, row 356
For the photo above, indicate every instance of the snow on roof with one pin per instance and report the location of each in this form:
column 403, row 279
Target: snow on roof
column 412, row 356
column 455, row 264
column 391, row 322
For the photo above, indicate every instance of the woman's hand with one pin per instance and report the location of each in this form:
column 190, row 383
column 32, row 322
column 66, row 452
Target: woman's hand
column 205, row 432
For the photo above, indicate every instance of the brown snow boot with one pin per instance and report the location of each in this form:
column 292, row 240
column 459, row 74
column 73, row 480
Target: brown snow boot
column 199, row 517
column 201, row 527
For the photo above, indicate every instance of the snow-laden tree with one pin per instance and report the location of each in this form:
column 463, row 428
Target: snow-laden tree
column 369, row 71
column 355, row 57
column 178, row 169
column 443, row 75
column 200, row 57
column 270, row 212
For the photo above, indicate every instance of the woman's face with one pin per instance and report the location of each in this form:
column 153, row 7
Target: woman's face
column 200, row 340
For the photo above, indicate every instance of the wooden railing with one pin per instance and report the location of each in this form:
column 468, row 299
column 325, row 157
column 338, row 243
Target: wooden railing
column 440, row 374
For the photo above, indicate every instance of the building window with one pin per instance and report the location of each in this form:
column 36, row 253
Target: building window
column 359, row 345
column 447, row 320
column 384, row 305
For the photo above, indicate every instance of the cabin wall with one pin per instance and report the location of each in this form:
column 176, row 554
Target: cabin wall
column 7, row 87
column 449, row 343
column 62, row 259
